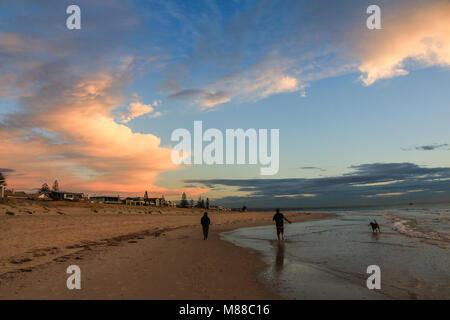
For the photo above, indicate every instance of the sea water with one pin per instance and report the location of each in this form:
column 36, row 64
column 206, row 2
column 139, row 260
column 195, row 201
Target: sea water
column 328, row 258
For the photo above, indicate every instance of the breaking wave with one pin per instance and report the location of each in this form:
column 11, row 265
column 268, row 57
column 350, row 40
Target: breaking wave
column 404, row 227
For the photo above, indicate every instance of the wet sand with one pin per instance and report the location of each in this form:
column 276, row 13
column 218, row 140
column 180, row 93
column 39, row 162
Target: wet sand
column 328, row 259
column 146, row 256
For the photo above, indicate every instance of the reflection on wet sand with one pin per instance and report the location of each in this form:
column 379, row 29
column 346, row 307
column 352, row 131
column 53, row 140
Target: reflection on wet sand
column 279, row 260
column 328, row 259
column 375, row 236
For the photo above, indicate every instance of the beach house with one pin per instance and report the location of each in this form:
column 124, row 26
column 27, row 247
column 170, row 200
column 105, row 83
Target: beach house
column 137, row 201
column 156, row 202
column 15, row 194
column 44, row 197
column 105, row 199
column 73, row 196
column 171, row 204
column 68, row 196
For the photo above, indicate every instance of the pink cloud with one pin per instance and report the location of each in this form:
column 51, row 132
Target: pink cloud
column 69, row 133
column 411, row 37
column 138, row 109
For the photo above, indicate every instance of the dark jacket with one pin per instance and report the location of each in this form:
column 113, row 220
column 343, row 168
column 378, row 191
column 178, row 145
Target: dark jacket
column 205, row 221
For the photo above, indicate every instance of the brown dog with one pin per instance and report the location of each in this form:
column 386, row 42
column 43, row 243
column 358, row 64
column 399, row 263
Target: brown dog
column 375, row 226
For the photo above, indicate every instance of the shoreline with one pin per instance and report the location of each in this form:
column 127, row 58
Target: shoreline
column 165, row 263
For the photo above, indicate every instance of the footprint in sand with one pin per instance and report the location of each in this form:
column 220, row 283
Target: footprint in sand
column 20, row 261
column 39, row 254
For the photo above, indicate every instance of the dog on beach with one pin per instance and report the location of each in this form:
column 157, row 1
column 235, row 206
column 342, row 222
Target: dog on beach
column 375, row 226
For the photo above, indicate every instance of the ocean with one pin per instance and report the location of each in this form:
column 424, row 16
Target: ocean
column 328, row 258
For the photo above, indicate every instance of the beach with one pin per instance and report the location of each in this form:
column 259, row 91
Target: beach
column 127, row 252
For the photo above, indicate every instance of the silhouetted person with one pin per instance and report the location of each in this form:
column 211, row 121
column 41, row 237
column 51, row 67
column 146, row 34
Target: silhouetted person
column 279, row 223
column 205, row 224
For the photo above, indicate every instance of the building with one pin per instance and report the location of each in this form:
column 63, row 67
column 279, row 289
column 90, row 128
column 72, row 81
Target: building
column 68, row 196
column 44, row 197
column 105, row 199
column 15, row 194
column 171, row 204
column 73, row 196
column 156, row 202
column 138, row 201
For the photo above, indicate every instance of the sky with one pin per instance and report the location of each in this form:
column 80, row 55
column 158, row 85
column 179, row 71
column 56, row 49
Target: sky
column 362, row 114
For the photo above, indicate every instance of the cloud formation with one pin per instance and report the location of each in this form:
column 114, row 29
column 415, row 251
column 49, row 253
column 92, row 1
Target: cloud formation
column 260, row 81
column 205, row 98
column 432, row 147
column 312, row 168
column 137, row 109
column 67, row 131
column 387, row 181
column 314, row 41
column 63, row 124
column 429, row 147
column 413, row 35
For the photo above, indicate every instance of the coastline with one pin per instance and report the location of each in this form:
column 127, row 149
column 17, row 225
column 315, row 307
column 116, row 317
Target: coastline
column 169, row 262
column 328, row 259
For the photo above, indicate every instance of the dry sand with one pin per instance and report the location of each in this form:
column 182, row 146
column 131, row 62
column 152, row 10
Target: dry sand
column 126, row 252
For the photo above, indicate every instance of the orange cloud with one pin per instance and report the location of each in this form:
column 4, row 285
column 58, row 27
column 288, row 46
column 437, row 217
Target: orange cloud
column 420, row 35
column 137, row 109
column 70, row 134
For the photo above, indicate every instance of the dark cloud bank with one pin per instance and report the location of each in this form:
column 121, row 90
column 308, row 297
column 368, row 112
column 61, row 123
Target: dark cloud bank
column 368, row 184
column 429, row 147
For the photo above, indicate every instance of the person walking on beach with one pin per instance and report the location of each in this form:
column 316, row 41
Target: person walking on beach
column 279, row 223
column 205, row 224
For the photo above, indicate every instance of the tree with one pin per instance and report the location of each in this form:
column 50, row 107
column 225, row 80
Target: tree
column 184, row 202
column 44, row 189
column 2, row 180
column 55, row 186
column 146, row 195
column 207, row 203
column 201, row 203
